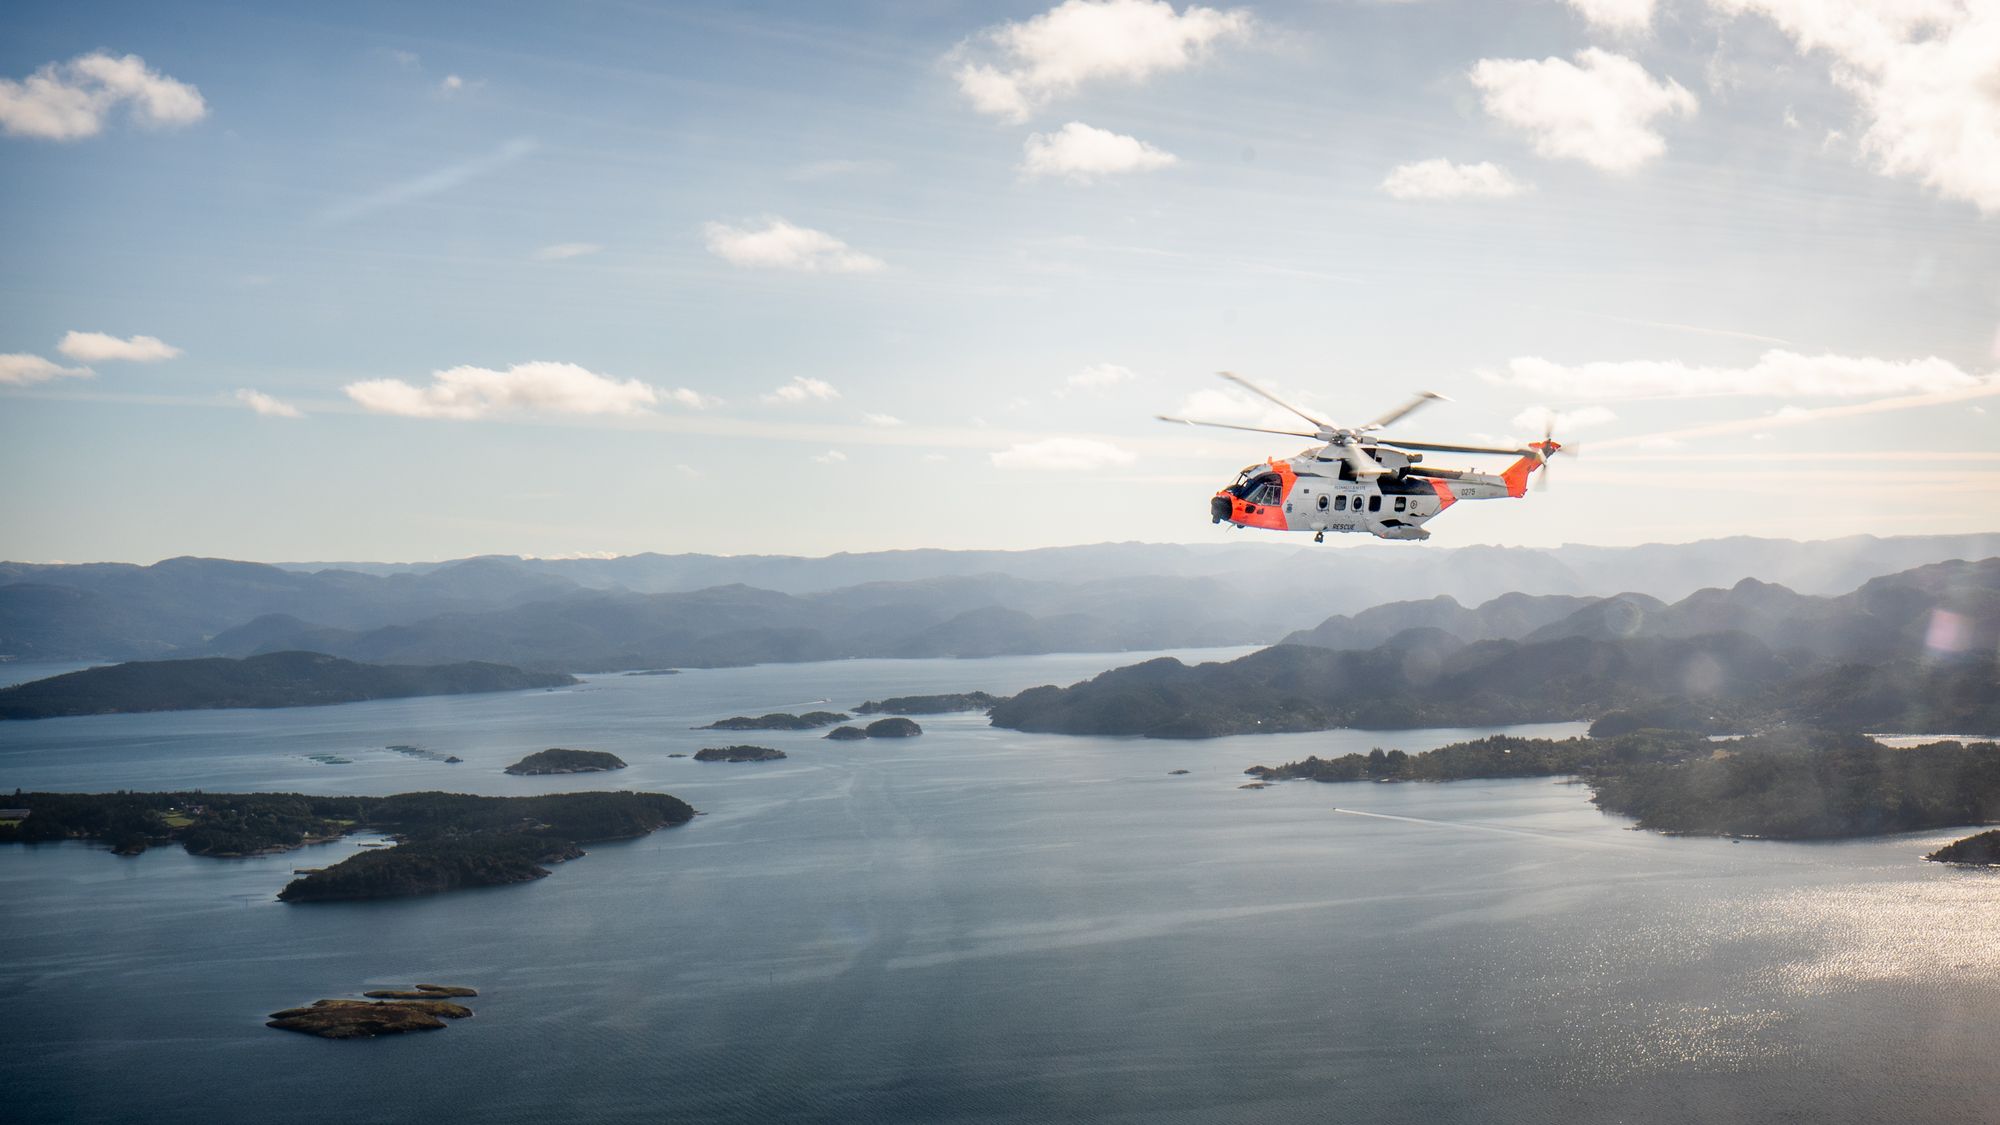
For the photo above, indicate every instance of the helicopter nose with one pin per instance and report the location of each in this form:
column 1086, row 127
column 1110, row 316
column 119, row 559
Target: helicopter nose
column 1218, row 509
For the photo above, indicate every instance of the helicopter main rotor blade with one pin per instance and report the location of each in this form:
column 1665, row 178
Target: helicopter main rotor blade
column 1262, row 393
column 1404, row 410
column 1363, row 465
column 1434, row 447
column 1227, row 426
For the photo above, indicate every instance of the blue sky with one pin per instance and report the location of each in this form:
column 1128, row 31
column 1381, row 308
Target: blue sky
column 813, row 278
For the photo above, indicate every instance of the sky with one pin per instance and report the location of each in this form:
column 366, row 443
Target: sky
column 405, row 282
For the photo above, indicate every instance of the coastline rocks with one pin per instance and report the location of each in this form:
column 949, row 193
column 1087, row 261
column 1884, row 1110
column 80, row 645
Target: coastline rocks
column 847, row 734
column 1982, row 850
column 738, row 754
column 421, row 992
column 1177, row 773
column 778, row 720
column 559, row 760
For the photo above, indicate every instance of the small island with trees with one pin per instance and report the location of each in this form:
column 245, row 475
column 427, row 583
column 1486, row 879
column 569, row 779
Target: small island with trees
column 558, row 760
column 444, row 841
column 738, row 754
column 778, row 720
column 931, row 704
column 897, row 727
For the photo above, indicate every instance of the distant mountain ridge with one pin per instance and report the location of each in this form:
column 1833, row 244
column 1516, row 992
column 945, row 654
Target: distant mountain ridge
column 1914, row 651
column 696, row 609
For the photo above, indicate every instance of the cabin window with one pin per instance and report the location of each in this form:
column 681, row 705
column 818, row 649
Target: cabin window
column 1324, row 501
column 1374, row 503
column 1340, row 504
column 1402, row 502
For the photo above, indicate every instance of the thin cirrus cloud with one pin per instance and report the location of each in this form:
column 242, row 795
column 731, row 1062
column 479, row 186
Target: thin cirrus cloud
column 70, row 101
column 540, row 387
column 1777, row 373
column 1097, row 377
column 429, row 184
column 881, row 419
column 1083, row 153
column 1628, row 17
column 563, row 251
column 1441, row 179
column 803, row 388
column 1923, row 80
column 20, row 369
column 1011, row 69
column 785, row 246
column 1600, row 109
column 1063, row 454
column 99, row 347
column 267, row 405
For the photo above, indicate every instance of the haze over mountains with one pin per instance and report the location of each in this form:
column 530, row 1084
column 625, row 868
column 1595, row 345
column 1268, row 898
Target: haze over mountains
column 697, row 610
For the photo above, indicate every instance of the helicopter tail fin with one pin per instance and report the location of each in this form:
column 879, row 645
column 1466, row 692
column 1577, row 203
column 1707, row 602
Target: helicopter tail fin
column 1516, row 474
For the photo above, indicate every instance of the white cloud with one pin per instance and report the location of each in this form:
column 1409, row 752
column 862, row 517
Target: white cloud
column 1062, row 454
column 1621, row 16
column 1441, row 179
column 562, row 251
column 1219, row 404
column 97, row 347
column 803, row 388
column 1923, row 73
column 1082, row 153
column 1010, row 69
column 1098, row 376
column 266, row 405
column 830, row 457
column 780, row 245
column 693, row 400
column 18, row 370
column 1776, row 373
column 452, row 84
column 476, row 392
column 69, row 101
column 1538, row 420
column 881, row 419
column 1599, row 110
column 934, row 458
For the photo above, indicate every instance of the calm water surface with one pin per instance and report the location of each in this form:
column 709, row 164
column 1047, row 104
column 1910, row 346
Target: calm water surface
column 979, row 925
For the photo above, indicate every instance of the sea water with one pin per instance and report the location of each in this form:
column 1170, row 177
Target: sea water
column 978, row 925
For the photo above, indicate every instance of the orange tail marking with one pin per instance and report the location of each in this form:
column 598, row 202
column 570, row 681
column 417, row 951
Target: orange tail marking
column 1517, row 473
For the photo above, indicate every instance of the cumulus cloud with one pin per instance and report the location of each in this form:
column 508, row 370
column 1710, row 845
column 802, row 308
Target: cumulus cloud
column 1062, row 454
column 69, row 101
column 1923, row 74
column 1538, row 420
column 97, row 347
column 1441, row 179
column 563, row 251
column 1776, row 373
column 1599, row 109
column 452, row 84
column 781, row 245
column 1622, row 16
column 20, row 369
column 477, row 392
column 268, row 406
column 803, row 388
column 1011, row 69
column 1082, row 153
column 693, row 400
column 1098, row 376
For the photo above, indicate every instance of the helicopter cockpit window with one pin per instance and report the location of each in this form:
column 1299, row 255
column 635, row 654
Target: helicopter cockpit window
column 1263, row 490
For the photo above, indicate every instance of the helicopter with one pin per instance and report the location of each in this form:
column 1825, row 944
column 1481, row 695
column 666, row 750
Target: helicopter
column 1356, row 481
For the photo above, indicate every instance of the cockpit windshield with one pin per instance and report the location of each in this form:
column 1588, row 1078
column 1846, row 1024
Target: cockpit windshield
column 1257, row 487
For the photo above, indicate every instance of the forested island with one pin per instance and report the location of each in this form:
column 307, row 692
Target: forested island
column 930, row 704
column 279, row 679
column 1982, row 850
column 778, row 720
column 896, row 727
column 1793, row 784
column 444, row 840
column 738, row 754
column 559, row 760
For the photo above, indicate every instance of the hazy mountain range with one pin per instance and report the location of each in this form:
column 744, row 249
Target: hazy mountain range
column 1913, row 651
column 657, row 610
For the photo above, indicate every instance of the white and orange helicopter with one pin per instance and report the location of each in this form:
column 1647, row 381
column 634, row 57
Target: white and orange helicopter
column 1357, row 481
